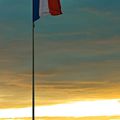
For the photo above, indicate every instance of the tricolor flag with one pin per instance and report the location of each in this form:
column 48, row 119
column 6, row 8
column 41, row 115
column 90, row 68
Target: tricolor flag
column 44, row 7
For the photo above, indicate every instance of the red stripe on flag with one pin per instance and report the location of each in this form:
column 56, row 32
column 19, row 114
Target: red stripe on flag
column 54, row 7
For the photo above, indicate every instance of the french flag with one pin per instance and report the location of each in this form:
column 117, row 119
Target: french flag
column 45, row 7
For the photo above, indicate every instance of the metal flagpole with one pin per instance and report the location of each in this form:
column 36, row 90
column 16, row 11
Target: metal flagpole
column 33, row 67
column 33, row 73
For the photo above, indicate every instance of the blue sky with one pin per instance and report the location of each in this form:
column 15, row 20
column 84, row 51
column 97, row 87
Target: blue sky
column 77, row 53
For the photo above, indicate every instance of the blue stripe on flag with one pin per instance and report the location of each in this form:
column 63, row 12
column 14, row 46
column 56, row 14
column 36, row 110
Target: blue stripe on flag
column 35, row 10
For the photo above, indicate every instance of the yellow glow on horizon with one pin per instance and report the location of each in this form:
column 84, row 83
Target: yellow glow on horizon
column 75, row 109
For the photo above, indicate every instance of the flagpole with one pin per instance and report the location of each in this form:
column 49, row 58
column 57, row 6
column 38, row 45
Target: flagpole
column 33, row 66
column 33, row 73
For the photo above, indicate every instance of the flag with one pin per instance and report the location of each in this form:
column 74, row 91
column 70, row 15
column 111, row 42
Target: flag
column 45, row 7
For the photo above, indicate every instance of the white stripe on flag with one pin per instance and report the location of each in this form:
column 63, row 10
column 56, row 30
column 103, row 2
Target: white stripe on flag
column 43, row 9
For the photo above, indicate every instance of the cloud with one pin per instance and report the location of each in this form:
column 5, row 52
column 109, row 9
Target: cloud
column 76, row 54
column 15, row 90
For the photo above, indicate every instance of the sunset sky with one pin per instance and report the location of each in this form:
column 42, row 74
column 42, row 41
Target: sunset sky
column 77, row 54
